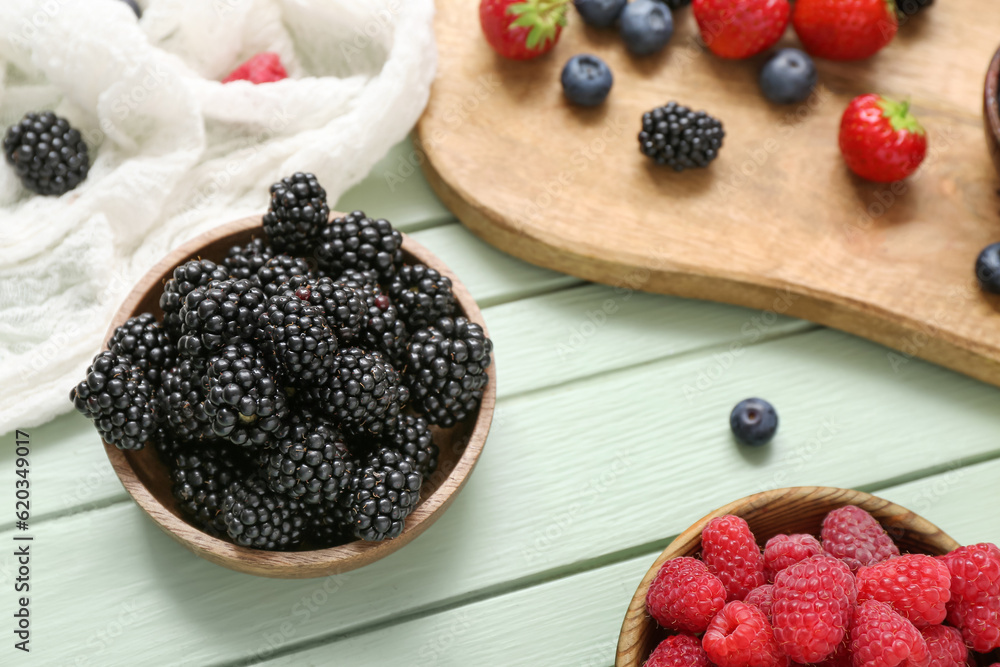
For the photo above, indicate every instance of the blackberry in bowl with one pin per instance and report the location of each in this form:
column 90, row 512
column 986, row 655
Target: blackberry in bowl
column 260, row 451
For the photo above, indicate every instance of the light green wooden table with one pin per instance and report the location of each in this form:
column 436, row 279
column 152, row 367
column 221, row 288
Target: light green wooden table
column 611, row 436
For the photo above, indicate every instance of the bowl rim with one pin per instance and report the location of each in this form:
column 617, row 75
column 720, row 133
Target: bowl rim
column 636, row 621
column 991, row 104
column 315, row 562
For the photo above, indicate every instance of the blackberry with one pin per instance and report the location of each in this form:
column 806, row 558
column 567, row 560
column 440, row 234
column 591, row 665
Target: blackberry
column 243, row 262
column 911, row 7
column 182, row 397
column 47, row 153
column 411, row 436
column 421, row 295
column 257, row 517
column 342, row 304
column 200, row 474
column 297, row 213
column 675, row 136
column 278, row 270
column 146, row 344
column 676, row 4
column 218, row 314
column 324, row 525
column 187, row 277
column 309, row 462
column 244, row 402
column 446, row 370
column 363, row 392
column 296, row 337
column 358, row 242
column 382, row 493
column 382, row 329
column 119, row 399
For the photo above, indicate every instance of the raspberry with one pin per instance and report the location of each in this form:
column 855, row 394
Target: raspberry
column 741, row 636
column 882, row 638
column 813, row 602
column 841, row 658
column 678, row 651
column 946, row 646
column 782, row 551
column 762, row 597
column 684, row 595
column 855, row 537
column 731, row 553
column 915, row 585
column 264, row 67
column 975, row 594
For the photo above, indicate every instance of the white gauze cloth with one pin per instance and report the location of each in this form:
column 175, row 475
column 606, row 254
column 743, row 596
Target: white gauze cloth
column 173, row 151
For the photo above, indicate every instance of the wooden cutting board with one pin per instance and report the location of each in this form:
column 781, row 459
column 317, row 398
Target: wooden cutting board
column 777, row 222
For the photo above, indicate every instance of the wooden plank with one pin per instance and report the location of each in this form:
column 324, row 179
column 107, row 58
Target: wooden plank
column 593, row 329
column 575, row 620
column 490, row 275
column 396, row 190
column 567, row 188
column 567, row 478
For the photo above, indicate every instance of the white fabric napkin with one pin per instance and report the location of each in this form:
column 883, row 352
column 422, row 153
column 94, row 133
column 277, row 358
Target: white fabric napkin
column 173, row 151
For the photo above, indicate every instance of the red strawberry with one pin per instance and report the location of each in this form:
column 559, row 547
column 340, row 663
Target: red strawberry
column 881, row 140
column 845, row 29
column 262, row 68
column 522, row 29
column 741, row 28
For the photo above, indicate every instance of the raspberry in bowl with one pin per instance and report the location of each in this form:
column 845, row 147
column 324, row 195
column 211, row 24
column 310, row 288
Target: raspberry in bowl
column 734, row 589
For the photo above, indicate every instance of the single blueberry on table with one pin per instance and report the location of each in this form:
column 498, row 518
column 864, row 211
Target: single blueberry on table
column 646, row 26
column 586, row 80
column 754, row 421
column 988, row 268
column 600, row 13
column 789, row 76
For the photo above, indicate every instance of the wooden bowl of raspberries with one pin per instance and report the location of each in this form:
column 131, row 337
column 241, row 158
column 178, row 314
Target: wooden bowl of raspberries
column 815, row 575
column 295, row 395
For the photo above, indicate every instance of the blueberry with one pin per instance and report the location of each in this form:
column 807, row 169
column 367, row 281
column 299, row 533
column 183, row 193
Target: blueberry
column 135, row 7
column 988, row 268
column 599, row 13
column 754, row 421
column 789, row 76
column 586, row 80
column 646, row 26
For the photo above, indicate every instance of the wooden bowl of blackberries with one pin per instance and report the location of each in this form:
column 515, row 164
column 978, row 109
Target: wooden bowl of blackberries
column 991, row 109
column 294, row 395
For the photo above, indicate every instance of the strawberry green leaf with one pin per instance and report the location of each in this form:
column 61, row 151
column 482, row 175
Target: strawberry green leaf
column 542, row 17
column 899, row 116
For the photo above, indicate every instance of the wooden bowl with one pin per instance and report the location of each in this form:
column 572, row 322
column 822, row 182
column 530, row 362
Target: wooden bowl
column 147, row 481
column 795, row 510
column 991, row 109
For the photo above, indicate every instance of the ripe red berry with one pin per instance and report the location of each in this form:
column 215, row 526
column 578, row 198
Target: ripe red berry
column 782, row 551
column 262, row 68
column 522, row 29
column 741, row 636
column 684, row 595
column 741, row 28
column 915, row 585
column 678, row 651
column 730, row 551
column 856, row 537
column 946, row 647
column 762, row 597
column 844, row 29
column 882, row 638
column 813, row 603
column 975, row 594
